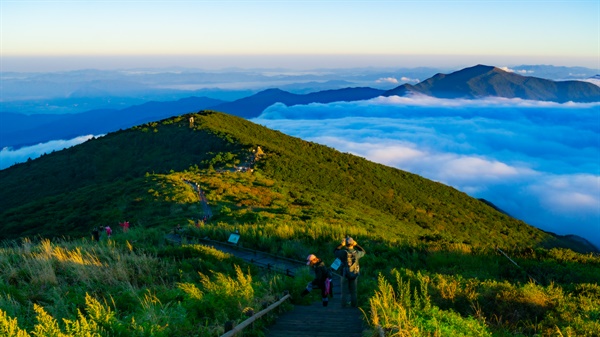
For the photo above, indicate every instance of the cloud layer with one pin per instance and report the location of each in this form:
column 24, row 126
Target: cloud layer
column 9, row 157
column 538, row 161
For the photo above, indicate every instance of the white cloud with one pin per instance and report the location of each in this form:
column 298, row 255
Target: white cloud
column 468, row 167
column 524, row 71
column 392, row 80
column 9, row 157
column 419, row 100
column 520, row 71
column 592, row 80
column 579, row 192
column 408, row 79
column 538, row 161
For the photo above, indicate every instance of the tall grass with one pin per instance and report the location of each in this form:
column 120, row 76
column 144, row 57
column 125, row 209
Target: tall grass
column 116, row 288
column 402, row 310
column 413, row 283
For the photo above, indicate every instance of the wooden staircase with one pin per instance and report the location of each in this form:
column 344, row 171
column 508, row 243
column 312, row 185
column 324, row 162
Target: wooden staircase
column 317, row 321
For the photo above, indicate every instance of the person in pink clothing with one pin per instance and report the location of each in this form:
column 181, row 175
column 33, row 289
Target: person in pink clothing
column 125, row 226
column 322, row 278
column 108, row 231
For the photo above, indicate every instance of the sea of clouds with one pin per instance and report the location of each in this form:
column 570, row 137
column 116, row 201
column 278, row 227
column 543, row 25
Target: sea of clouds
column 10, row 156
column 538, row 161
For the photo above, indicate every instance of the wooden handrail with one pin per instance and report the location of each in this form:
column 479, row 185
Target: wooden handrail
column 251, row 320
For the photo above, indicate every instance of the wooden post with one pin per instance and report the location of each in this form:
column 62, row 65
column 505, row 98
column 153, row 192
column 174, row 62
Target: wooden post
column 229, row 325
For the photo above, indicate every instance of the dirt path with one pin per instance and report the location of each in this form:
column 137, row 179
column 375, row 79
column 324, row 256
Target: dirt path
column 206, row 211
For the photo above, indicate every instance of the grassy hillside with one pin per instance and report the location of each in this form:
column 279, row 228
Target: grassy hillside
column 431, row 267
column 81, row 183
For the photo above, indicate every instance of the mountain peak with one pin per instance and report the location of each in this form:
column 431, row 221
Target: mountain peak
column 273, row 91
column 484, row 81
column 477, row 70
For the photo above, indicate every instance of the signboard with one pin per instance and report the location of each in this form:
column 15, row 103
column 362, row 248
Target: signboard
column 336, row 264
column 233, row 238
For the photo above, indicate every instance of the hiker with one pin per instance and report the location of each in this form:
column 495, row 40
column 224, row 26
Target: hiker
column 95, row 234
column 349, row 252
column 108, row 231
column 177, row 230
column 322, row 279
column 125, row 226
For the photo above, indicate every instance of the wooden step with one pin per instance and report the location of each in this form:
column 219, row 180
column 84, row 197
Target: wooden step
column 316, row 320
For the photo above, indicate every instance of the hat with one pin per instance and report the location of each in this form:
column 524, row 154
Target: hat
column 350, row 241
column 310, row 258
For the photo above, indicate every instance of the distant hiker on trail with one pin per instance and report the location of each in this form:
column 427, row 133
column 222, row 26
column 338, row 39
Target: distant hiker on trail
column 108, row 231
column 322, row 279
column 95, row 234
column 350, row 268
column 125, row 226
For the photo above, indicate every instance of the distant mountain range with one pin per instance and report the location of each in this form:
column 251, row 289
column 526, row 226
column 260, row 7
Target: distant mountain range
column 474, row 82
column 21, row 130
column 253, row 106
column 484, row 81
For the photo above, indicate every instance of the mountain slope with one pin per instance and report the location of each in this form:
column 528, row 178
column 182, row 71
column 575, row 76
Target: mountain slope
column 431, row 250
column 483, row 81
column 317, row 181
column 253, row 106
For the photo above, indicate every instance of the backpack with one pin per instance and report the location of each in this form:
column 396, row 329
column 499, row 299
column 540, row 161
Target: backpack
column 351, row 268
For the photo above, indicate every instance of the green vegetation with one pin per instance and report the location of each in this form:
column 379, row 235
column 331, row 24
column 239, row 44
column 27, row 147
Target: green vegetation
column 432, row 267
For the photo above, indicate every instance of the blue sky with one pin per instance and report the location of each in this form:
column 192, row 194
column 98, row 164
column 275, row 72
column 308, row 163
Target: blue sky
column 542, row 170
column 297, row 34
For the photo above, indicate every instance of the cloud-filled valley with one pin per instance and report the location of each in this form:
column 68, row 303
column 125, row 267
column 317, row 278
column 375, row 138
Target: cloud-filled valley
column 9, row 156
column 538, row 161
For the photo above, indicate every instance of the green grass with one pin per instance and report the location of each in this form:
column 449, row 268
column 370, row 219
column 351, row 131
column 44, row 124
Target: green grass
column 431, row 267
column 115, row 288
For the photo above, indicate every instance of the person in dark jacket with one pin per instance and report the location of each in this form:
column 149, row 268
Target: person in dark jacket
column 95, row 234
column 322, row 278
column 349, row 252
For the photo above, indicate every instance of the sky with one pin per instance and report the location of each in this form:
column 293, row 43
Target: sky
column 538, row 161
column 46, row 35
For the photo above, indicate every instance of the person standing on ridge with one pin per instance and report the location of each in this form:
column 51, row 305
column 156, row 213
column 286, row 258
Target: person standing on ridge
column 125, row 226
column 322, row 278
column 95, row 234
column 349, row 252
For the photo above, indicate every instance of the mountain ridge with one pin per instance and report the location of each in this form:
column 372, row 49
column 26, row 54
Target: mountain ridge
column 471, row 83
column 483, row 81
column 253, row 106
column 405, row 204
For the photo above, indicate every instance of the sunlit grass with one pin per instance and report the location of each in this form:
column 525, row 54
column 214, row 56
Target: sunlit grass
column 115, row 288
column 411, row 285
